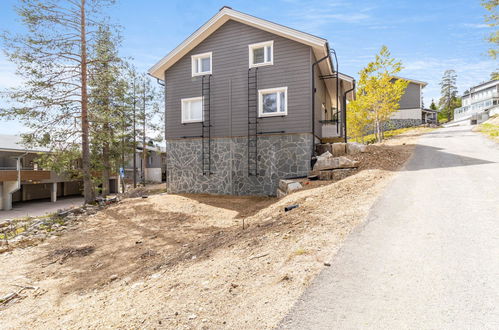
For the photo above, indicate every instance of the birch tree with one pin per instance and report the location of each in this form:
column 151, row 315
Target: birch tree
column 378, row 92
column 52, row 59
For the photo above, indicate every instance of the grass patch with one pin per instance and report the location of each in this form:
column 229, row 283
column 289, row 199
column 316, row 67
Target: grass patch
column 371, row 138
column 491, row 130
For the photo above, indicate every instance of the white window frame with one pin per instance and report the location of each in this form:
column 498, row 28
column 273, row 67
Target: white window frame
column 260, row 45
column 196, row 63
column 187, row 100
column 278, row 102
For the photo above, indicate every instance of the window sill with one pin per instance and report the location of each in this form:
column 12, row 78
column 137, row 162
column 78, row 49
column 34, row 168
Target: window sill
column 201, row 74
column 278, row 114
column 191, row 121
column 261, row 64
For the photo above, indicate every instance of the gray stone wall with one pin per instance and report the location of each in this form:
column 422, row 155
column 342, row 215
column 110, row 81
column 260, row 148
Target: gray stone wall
column 279, row 157
column 401, row 123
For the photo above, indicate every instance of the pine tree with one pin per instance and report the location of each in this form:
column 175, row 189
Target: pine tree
column 107, row 104
column 52, row 57
column 433, row 106
column 448, row 99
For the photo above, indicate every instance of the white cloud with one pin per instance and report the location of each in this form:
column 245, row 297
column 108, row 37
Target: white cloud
column 476, row 26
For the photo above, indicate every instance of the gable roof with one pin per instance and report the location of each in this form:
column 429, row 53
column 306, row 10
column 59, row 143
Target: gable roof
column 319, row 45
column 418, row 82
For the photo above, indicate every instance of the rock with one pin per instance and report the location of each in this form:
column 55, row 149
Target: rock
column 323, row 147
column 113, row 277
column 288, row 186
column 192, row 316
column 324, row 155
column 325, row 175
column 339, row 149
column 354, row 148
column 331, row 163
column 340, row 174
column 280, row 193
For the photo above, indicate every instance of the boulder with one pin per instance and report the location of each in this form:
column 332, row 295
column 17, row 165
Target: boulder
column 339, row 149
column 280, row 193
column 341, row 174
column 288, row 186
column 326, row 175
column 323, row 147
column 327, row 162
column 355, row 148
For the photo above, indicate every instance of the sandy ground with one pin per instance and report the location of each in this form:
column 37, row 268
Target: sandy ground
column 185, row 261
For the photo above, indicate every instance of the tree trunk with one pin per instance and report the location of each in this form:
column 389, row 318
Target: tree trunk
column 378, row 130
column 134, row 139
column 88, row 190
column 144, row 145
column 106, row 163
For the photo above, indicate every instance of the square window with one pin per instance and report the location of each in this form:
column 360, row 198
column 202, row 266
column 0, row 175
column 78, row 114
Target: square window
column 261, row 54
column 273, row 102
column 201, row 64
column 192, row 110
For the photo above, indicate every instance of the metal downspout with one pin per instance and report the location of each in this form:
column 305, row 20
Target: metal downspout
column 313, row 102
column 345, row 109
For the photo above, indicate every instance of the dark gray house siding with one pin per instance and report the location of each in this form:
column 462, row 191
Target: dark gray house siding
column 410, row 112
column 229, row 107
column 412, row 97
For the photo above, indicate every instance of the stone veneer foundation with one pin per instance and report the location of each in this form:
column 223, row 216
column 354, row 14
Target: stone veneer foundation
column 279, row 156
column 401, row 123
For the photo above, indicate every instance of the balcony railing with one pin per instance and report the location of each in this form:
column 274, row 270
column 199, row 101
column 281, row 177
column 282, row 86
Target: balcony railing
column 26, row 175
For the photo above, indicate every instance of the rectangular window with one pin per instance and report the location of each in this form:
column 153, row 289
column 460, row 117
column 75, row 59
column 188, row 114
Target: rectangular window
column 201, row 64
column 261, row 54
column 273, row 102
column 192, row 110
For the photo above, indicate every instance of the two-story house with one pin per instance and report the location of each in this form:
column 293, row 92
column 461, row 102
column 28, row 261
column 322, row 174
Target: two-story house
column 411, row 111
column 246, row 100
column 22, row 179
column 479, row 103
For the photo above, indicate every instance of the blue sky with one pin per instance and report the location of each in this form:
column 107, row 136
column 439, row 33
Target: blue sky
column 428, row 36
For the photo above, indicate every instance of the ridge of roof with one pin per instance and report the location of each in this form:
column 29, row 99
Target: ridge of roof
column 225, row 14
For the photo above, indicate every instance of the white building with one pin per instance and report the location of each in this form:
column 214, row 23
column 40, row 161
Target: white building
column 479, row 103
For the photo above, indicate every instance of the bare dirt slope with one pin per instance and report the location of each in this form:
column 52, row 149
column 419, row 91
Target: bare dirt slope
column 185, row 261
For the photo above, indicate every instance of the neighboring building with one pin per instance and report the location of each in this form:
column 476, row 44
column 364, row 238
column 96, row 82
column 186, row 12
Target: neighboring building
column 244, row 99
column 479, row 103
column 155, row 171
column 412, row 112
column 21, row 179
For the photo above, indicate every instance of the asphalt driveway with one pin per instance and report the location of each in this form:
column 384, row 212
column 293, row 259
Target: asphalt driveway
column 428, row 255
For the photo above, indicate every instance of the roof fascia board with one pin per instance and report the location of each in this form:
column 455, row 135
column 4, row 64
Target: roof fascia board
column 318, row 44
column 419, row 82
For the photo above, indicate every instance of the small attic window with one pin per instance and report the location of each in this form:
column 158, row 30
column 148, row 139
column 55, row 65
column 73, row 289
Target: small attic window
column 261, row 54
column 201, row 64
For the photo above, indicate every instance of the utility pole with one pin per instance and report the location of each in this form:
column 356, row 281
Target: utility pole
column 134, row 139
